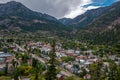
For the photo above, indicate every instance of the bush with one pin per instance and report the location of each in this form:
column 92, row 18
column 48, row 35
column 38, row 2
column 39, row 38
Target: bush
column 2, row 73
column 4, row 78
column 24, row 70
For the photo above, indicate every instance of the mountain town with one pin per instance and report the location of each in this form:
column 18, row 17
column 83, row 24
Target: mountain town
column 37, row 46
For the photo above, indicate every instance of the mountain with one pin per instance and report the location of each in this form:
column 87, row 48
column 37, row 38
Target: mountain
column 105, row 29
column 99, row 26
column 14, row 16
column 84, row 19
column 14, row 8
column 65, row 21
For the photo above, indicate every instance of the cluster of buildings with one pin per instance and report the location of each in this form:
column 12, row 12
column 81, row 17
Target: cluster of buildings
column 6, row 58
column 81, row 60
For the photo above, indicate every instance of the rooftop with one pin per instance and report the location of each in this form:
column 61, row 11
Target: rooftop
column 5, row 55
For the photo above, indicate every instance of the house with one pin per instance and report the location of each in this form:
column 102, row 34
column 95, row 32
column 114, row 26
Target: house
column 60, row 54
column 46, row 48
column 69, row 67
column 70, row 51
column 6, row 57
column 81, row 58
column 2, row 69
column 60, row 77
column 29, row 61
column 106, row 64
column 74, row 69
column 77, row 52
column 72, row 55
column 93, row 60
column 2, row 60
column 87, row 76
column 87, row 63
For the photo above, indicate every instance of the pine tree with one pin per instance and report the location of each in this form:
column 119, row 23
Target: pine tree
column 6, row 68
column 51, row 72
column 16, row 75
column 117, row 48
column 38, row 68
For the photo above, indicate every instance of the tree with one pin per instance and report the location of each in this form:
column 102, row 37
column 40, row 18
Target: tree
column 83, row 73
column 70, row 78
column 0, row 44
column 95, row 70
column 6, row 68
column 25, row 57
column 38, row 68
column 24, row 70
column 5, row 49
column 117, row 48
column 14, row 63
column 4, row 78
column 16, row 75
column 114, row 73
column 51, row 72
column 68, row 58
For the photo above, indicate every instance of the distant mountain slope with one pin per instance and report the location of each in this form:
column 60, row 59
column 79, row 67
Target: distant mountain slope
column 104, row 29
column 65, row 21
column 84, row 19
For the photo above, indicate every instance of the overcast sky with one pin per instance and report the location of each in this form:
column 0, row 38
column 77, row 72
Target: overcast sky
column 63, row 8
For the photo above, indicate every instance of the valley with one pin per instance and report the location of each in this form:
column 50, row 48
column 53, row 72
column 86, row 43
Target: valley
column 37, row 46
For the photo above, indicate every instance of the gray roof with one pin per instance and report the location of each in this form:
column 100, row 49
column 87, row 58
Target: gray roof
column 2, row 59
column 5, row 55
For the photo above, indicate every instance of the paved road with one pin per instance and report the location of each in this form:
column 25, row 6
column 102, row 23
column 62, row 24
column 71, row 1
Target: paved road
column 19, row 47
column 38, row 58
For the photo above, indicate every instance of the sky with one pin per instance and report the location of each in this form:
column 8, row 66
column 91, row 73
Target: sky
column 63, row 8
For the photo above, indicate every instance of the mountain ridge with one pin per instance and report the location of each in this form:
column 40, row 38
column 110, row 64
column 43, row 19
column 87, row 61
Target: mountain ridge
column 10, row 8
column 84, row 19
column 15, row 16
column 104, row 29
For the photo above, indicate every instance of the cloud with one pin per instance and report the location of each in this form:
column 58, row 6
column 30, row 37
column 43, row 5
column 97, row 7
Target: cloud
column 59, row 8
column 79, row 10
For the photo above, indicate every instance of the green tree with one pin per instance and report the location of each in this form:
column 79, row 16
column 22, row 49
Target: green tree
column 70, row 78
column 16, row 75
column 37, row 67
column 4, row 78
column 114, row 73
column 14, row 63
column 25, row 57
column 24, row 70
column 6, row 68
column 51, row 72
column 95, row 70
column 117, row 48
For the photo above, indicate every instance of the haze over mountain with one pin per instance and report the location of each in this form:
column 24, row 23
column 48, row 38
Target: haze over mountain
column 87, row 18
column 84, row 19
